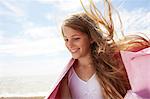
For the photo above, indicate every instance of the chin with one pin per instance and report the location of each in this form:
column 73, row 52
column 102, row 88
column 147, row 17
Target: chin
column 75, row 57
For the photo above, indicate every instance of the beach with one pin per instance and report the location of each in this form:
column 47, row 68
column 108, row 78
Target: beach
column 25, row 87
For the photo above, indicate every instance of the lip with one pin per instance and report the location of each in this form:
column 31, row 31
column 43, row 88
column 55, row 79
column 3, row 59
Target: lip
column 74, row 50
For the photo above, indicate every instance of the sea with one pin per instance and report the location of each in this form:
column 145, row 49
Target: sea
column 35, row 85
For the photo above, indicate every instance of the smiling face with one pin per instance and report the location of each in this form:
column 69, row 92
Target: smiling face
column 78, row 43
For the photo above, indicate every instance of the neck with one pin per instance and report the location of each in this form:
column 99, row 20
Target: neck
column 86, row 61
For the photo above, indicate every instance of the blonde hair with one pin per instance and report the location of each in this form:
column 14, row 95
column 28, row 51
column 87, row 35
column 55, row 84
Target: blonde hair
column 108, row 63
column 104, row 50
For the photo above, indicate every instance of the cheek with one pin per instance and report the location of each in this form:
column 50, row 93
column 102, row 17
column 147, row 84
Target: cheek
column 85, row 45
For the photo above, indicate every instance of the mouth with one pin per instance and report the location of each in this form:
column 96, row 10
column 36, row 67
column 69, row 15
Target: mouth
column 74, row 50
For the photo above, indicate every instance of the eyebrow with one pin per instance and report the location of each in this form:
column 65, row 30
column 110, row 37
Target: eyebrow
column 73, row 35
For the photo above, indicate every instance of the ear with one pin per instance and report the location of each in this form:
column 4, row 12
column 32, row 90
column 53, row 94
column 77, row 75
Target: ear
column 91, row 41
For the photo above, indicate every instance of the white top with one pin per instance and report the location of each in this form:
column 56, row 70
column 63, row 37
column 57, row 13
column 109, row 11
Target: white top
column 81, row 89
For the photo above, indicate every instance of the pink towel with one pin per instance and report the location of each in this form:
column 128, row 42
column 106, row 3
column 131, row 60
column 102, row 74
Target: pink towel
column 137, row 65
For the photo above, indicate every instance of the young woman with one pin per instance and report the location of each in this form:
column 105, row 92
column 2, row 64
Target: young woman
column 96, row 70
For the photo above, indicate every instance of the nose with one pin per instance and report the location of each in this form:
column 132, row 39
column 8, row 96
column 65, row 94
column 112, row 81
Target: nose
column 69, row 44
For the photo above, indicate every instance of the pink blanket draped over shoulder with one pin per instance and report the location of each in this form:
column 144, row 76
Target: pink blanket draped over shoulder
column 55, row 92
column 137, row 65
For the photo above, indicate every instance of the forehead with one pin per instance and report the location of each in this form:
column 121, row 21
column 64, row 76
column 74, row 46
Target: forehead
column 69, row 32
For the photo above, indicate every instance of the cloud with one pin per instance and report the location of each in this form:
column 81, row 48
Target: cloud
column 23, row 47
column 74, row 5
column 34, row 41
column 136, row 20
column 2, row 13
column 12, row 7
column 33, row 67
column 63, row 5
column 48, row 1
column 41, row 32
column 1, row 35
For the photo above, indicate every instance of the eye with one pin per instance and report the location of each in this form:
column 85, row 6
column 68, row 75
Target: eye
column 76, row 38
column 65, row 40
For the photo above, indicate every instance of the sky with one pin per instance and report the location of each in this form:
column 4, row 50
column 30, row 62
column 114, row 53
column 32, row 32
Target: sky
column 30, row 39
